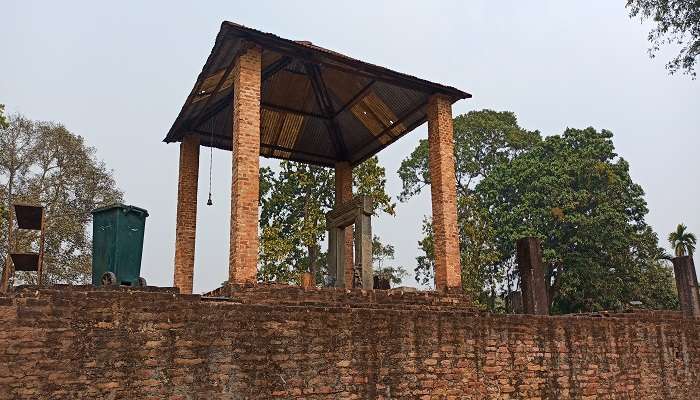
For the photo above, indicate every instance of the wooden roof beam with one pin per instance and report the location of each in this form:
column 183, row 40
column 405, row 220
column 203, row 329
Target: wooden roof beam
column 356, row 98
column 275, row 67
column 280, row 108
column 324, row 102
column 227, row 72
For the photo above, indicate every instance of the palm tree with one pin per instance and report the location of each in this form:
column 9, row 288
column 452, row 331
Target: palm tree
column 682, row 241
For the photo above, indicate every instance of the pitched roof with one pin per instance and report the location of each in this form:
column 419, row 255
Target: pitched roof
column 317, row 106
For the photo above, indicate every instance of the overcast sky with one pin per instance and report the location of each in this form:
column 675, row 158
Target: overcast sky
column 118, row 73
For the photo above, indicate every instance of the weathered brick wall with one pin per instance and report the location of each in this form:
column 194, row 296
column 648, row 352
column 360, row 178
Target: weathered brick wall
column 245, row 166
column 443, row 193
column 186, row 226
column 79, row 343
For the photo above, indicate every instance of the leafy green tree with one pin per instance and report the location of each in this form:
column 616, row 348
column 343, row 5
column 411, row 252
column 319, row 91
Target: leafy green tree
column 294, row 202
column 677, row 22
column 381, row 254
column 682, row 241
column 44, row 163
column 575, row 194
column 483, row 140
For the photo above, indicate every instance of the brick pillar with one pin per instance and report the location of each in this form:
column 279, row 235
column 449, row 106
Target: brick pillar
column 185, row 230
column 444, row 194
column 687, row 285
column 534, row 291
column 343, row 194
column 243, row 251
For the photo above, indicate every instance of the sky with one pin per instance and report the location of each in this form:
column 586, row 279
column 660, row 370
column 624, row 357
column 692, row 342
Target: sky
column 117, row 73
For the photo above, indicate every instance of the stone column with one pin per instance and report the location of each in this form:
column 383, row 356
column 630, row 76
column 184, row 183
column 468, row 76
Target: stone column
column 186, row 226
column 687, row 285
column 363, row 248
column 245, row 185
column 534, row 291
column 444, row 194
column 343, row 194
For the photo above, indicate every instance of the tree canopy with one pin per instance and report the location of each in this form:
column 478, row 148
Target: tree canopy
column 682, row 241
column 570, row 190
column 44, row 163
column 677, row 22
column 482, row 140
column 574, row 193
column 294, row 201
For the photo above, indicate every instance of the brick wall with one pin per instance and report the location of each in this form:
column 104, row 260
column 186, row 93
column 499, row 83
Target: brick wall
column 443, row 193
column 186, row 226
column 79, row 343
column 245, row 159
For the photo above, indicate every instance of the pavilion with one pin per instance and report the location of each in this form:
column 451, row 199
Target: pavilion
column 262, row 95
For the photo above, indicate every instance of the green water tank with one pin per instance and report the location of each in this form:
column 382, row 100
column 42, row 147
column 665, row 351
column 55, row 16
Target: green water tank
column 117, row 245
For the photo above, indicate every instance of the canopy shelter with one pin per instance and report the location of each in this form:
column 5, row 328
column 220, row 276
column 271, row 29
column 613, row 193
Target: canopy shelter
column 262, row 95
column 317, row 106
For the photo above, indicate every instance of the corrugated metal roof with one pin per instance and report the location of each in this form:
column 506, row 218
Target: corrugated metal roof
column 370, row 106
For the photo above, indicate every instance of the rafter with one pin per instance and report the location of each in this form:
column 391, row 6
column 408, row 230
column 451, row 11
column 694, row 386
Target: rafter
column 324, row 103
column 275, row 67
column 356, row 98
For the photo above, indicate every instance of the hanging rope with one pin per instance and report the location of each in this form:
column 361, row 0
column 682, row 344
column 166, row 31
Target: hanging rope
column 211, row 161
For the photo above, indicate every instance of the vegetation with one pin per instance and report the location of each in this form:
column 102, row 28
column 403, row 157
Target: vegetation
column 3, row 119
column 576, row 195
column 570, row 190
column 381, row 254
column 677, row 22
column 44, row 163
column 294, row 202
column 682, row 241
column 483, row 140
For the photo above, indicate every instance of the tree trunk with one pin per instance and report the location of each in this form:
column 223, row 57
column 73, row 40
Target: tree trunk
column 313, row 261
column 5, row 280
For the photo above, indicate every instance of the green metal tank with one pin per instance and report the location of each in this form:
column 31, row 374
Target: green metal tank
column 117, row 245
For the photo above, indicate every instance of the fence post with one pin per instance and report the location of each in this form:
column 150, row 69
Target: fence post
column 687, row 285
column 534, row 291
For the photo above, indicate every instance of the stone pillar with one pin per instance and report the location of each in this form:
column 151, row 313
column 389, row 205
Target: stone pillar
column 343, row 194
column 687, row 285
column 534, row 291
column 245, row 185
column 448, row 274
column 185, row 230
column 363, row 248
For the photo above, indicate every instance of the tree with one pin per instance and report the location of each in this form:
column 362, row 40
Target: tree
column 3, row 124
column 3, row 120
column 44, row 163
column 682, row 241
column 575, row 194
column 381, row 253
column 677, row 22
column 294, row 202
column 482, row 140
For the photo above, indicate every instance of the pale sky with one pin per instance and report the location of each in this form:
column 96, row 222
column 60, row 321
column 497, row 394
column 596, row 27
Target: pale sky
column 118, row 73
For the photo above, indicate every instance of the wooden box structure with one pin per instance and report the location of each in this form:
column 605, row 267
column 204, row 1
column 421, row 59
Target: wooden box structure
column 28, row 217
column 262, row 95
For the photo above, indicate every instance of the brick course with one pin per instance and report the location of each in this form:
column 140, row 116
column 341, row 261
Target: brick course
column 443, row 193
column 186, row 225
column 83, row 343
column 243, row 251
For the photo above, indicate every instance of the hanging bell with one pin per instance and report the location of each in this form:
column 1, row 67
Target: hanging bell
column 209, row 202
